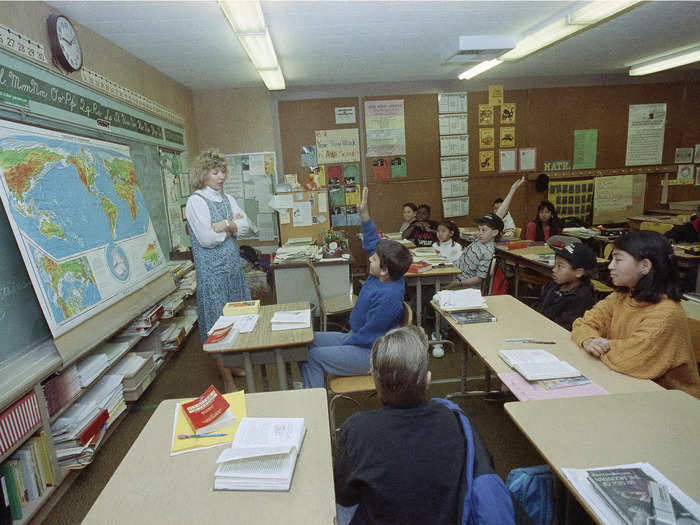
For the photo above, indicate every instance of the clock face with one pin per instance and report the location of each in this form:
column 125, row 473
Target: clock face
column 65, row 43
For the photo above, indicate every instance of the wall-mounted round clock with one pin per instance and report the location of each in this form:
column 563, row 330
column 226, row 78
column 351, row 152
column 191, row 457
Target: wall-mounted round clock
column 65, row 46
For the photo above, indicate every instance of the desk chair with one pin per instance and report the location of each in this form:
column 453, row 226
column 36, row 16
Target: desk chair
column 487, row 284
column 332, row 305
column 517, row 232
column 599, row 287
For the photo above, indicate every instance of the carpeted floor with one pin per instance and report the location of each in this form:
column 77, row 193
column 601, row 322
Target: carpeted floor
column 189, row 372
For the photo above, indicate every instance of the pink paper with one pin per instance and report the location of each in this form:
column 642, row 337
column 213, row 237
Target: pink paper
column 526, row 391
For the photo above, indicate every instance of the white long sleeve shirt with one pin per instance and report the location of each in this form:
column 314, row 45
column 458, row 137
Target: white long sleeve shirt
column 199, row 218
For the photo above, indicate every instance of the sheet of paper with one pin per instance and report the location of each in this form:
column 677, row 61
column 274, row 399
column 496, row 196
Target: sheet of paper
column 528, row 158
column 266, row 226
column 457, row 207
column 453, row 124
column 685, row 174
column 284, row 217
column 398, row 167
column 385, row 127
column 301, row 213
column 585, row 148
column 454, row 145
column 283, row 202
column 495, row 95
column 487, row 160
column 645, row 134
column 507, row 160
column 345, row 115
column 308, row 156
column 507, row 113
column 454, row 166
column 256, row 164
column 486, row 138
column 485, row 115
column 452, row 102
column 322, row 201
column 380, row 169
column 454, row 186
column 337, row 145
column 684, row 155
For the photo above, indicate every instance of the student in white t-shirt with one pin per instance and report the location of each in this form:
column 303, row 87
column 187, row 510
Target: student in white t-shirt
column 447, row 244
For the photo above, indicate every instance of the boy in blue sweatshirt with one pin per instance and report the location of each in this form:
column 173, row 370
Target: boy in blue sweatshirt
column 379, row 308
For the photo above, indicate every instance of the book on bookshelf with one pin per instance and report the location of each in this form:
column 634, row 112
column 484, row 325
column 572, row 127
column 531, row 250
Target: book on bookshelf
column 242, row 307
column 473, row 316
column 262, row 456
column 209, row 412
column 537, row 364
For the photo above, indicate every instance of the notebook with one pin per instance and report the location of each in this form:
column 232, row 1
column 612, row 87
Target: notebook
column 536, row 364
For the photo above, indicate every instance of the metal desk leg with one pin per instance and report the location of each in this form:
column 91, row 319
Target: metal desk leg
column 281, row 370
column 516, row 267
column 248, row 367
column 419, row 301
column 697, row 278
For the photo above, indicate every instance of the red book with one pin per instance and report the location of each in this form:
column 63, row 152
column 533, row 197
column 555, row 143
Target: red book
column 93, row 428
column 419, row 267
column 218, row 334
column 208, row 412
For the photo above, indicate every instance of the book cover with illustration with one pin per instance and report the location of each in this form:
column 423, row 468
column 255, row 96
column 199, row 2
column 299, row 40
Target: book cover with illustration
column 473, row 316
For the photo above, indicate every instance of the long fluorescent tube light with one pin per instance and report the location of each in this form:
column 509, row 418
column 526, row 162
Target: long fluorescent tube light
column 598, row 10
column 542, row 38
column 479, row 68
column 273, row 78
column 668, row 62
column 248, row 24
column 245, row 17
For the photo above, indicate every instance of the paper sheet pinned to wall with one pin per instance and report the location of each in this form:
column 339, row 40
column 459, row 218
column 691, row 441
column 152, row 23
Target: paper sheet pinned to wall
column 301, row 214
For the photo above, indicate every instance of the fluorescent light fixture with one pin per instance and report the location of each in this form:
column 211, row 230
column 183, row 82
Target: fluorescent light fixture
column 542, row 38
column 260, row 50
column 273, row 78
column 670, row 61
column 248, row 24
column 479, row 68
column 245, row 17
column 598, row 10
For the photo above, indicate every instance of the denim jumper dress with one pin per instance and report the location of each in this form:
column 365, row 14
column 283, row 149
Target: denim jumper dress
column 220, row 276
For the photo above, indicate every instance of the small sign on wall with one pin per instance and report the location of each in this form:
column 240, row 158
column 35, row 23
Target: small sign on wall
column 345, row 115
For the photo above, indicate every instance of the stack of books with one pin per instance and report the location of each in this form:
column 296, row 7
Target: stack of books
column 61, row 389
column 242, row 307
column 172, row 336
column 209, row 412
column 456, row 300
column 137, row 371
column 113, row 350
column 26, row 475
column 188, row 284
column 262, row 456
column 91, row 367
column 291, row 320
column 308, row 252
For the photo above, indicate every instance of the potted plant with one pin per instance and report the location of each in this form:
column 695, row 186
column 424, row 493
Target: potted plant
column 334, row 243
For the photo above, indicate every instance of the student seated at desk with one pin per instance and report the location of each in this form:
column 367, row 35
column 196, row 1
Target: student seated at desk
column 641, row 329
column 448, row 245
column 688, row 232
column 569, row 294
column 409, row 215
column 422, row 232
column 476, row 258
column 379, row 308
column 545, row 224
column 387, row 467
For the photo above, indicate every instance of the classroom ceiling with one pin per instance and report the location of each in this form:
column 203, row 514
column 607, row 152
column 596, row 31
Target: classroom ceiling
column 354, row 42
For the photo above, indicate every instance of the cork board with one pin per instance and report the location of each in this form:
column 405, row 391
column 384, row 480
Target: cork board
column 322, row 218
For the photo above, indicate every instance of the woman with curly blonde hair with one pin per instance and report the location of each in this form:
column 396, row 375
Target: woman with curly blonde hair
column 215, row 221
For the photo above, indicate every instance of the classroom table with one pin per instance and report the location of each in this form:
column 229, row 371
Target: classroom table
column 660, row 428
column 150, row 486
column 293, row 280
column 435, row 276
column 636, row 221
column 516, row 319
column 688, row 261
column 263, row 346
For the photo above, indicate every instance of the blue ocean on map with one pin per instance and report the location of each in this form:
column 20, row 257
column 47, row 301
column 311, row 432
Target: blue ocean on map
column 60, row 197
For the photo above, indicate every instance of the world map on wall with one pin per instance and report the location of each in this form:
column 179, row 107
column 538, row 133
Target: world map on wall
column 79, row 218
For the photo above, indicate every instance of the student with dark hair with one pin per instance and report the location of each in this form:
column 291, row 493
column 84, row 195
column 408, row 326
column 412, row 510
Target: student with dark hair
column 641, row 329
column 387, row 468
column 409, row 215
column 379, row 308
column 545, row 224
column 447, row 244
column 422, row 231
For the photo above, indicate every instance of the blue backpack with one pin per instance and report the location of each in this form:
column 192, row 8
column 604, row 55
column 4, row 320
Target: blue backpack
column 486, row 498
column 531, row 487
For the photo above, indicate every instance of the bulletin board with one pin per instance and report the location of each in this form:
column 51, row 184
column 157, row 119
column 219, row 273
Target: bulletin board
column 616, row 198
column 320, row 217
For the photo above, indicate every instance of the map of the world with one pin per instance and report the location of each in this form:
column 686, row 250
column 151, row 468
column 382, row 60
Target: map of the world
column 79, row 218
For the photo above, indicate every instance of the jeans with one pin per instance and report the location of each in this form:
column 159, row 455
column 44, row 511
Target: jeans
column 328, row 354
column 345, row 514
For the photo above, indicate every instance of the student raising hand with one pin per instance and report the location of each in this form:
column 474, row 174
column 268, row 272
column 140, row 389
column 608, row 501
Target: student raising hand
column 364, row 206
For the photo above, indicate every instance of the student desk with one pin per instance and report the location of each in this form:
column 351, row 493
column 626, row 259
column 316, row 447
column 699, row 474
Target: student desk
column 263, row 346
column 692, row 310
column 435, row 276
column 636, row 221
column 149, row 486
column 516, row 319
column 659, row 427
column 293, row 281
column 687, row 260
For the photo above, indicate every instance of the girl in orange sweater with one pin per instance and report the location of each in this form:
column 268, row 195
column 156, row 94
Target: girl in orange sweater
column 641, row 329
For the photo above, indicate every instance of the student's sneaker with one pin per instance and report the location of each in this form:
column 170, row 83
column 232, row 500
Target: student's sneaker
column 438, row 351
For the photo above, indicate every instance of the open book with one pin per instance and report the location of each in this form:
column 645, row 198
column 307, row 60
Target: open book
column 536, row 364
column 263, row 455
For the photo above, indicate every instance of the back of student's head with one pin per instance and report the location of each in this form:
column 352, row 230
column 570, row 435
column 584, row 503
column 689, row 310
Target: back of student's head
column 399, row 364
column 662, row 278
column 393, row 256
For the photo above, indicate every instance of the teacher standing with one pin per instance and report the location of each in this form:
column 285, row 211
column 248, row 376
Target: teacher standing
column 215, row 221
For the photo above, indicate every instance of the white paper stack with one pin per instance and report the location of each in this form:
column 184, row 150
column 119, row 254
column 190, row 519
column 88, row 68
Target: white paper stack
column 291, row 320
column 467, row 299
column 91, row 367
column 535, row 364
column 137, row 372
column 297, row 253
column 114, row 350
